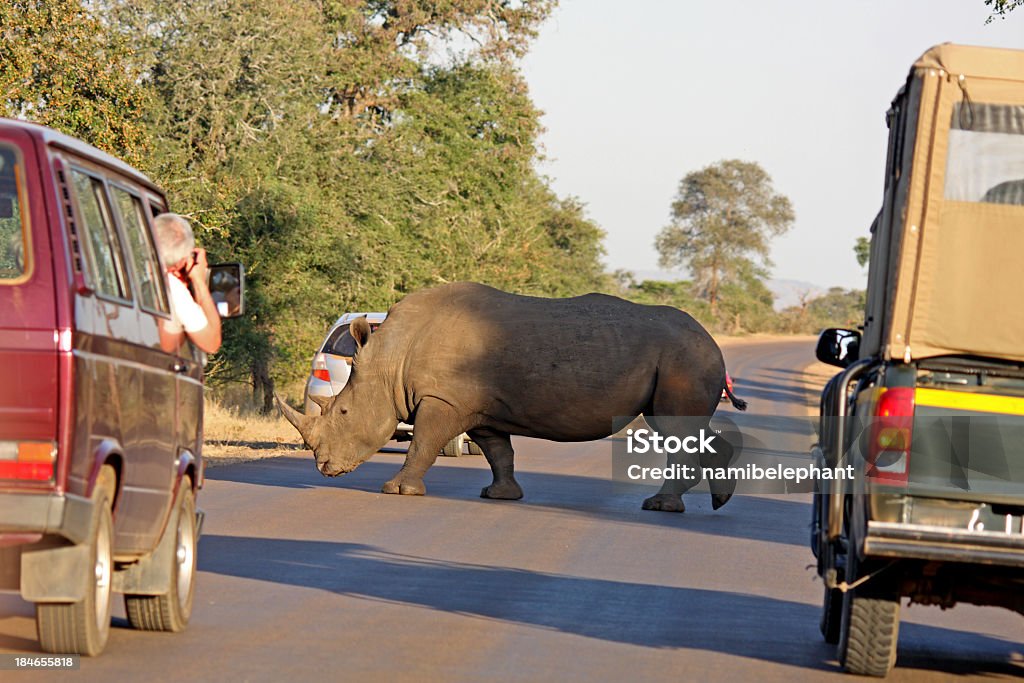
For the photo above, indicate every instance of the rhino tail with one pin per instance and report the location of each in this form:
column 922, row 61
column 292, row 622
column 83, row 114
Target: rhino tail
column 738, row 403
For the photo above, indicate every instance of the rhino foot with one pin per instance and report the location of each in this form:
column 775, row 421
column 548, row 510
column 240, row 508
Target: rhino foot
column 666, row 502
column 405, row 487
column 503, row 491
column 719, row 499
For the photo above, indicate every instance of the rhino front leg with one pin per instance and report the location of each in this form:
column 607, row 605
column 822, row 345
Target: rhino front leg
column 497, row 448
column 436, row 424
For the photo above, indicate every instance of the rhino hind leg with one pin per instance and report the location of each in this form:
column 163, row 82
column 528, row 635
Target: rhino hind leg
column 497, row 448
column 681, row 407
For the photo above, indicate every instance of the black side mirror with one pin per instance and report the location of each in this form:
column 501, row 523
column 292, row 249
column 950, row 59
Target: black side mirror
column 227, row 286
column 838, row 347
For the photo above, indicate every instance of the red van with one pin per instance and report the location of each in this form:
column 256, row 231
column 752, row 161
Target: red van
column 100, row 428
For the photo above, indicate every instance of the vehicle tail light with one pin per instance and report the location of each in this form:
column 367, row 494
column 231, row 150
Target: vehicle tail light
column 27, row 460
column 320, row 370
column 891, row 434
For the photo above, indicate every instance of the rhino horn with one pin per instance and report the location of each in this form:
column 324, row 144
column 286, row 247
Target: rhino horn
column 301, row 422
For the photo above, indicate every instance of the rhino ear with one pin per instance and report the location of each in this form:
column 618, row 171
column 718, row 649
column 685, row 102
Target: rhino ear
column 323, row 401
column 360, row 331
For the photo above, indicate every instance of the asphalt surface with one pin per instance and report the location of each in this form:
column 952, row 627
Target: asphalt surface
column 306, row 578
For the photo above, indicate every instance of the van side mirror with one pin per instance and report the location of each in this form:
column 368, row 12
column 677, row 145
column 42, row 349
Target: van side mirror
column 838, row 347
column 227, row 286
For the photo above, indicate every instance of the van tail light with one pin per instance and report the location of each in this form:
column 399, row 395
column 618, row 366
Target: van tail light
column 27, row 460
column 320, row 370
column 891, row 433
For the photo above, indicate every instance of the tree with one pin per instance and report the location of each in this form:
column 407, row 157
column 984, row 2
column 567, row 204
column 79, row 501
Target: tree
column 323, row 143
column 60, row 67
column 723, row 216
column 862, row 249
column 1001, row 8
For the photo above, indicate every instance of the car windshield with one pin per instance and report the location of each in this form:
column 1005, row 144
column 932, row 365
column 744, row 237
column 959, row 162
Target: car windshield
column 13, row 240
column 341, row 343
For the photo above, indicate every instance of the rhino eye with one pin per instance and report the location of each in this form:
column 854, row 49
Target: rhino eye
column 344, row 411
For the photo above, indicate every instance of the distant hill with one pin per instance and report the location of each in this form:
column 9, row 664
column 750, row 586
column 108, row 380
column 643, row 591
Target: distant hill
column 787, row 292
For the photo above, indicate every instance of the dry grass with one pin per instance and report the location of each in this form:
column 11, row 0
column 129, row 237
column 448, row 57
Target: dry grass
column 239, row 434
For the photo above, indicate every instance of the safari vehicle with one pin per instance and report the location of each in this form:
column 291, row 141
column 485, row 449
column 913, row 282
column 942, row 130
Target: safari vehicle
column 100, row 425
column 331, row 368
column 928, row 408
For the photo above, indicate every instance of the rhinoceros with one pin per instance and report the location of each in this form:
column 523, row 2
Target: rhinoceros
column 465, row 357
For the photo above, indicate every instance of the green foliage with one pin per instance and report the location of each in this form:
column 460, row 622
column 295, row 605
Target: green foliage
column 327, row 146
column 678, row 294
column 862, row 249
column 723, row 217
column 59, row 66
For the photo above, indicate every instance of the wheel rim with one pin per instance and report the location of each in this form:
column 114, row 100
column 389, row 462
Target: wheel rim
column 101, row 576
column 185, row 555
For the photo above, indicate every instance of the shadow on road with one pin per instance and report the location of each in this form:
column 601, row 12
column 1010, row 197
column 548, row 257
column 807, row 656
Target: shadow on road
column 757, row 518
column 783, row 391
column 654, row 616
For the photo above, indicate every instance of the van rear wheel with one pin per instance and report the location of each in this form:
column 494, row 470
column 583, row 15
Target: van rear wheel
column 868, row 634
column 171, row 611
column 83, row 627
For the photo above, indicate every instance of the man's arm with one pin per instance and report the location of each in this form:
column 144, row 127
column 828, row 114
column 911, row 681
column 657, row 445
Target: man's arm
column 208, row 338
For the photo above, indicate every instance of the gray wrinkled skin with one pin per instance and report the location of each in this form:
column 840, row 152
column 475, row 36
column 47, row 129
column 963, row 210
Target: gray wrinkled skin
column 465, row 357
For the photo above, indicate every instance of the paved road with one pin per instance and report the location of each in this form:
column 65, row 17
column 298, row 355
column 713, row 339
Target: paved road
column 306, row 578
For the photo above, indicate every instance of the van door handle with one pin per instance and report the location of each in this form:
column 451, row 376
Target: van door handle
column 180, row 367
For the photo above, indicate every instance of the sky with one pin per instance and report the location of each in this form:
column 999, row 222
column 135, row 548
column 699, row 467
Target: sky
column 636, row 95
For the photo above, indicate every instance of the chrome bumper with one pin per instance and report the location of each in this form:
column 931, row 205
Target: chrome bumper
column 64, row 515
column 889, row 539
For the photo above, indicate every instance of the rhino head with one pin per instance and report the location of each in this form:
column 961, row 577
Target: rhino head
column 353, row 425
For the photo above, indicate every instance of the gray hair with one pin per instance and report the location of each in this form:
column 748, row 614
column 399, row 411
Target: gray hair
column 174, row 237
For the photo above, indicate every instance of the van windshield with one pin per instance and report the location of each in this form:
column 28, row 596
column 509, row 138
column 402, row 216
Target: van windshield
column 13, row 237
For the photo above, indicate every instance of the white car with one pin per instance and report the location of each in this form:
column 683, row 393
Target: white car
column 332, row 366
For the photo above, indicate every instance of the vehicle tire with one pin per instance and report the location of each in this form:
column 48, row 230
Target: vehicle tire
column 868, row 634
column 453, row 448
column 171, row 611
column 83, row 627
column 473, row 448
column 831, row 615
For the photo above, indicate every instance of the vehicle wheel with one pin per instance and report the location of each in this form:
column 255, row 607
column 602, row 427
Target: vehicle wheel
column 453, row 448
column 831, row 615
column 171, row 611
column 83, row 627
column 868, row 634
column 473, row 448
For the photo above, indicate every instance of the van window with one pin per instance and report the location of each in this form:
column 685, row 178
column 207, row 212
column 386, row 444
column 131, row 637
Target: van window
column 142, row 252
column 985, row 162
column 13, row 233
column 106, row 260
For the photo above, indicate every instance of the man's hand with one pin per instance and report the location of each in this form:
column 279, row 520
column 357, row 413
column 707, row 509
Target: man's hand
column 200, row 267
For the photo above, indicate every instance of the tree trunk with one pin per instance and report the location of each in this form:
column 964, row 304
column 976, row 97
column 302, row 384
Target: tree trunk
column 262, row 387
